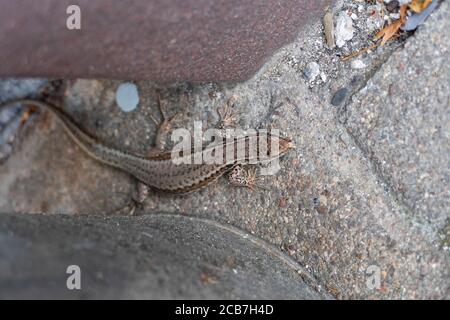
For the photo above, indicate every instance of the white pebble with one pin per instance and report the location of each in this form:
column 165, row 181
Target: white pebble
column 311, row 71
column 344, row 29
column 127, row 96
column 358, row 64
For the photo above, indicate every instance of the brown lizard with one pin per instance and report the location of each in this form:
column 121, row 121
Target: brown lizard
column 157, row 171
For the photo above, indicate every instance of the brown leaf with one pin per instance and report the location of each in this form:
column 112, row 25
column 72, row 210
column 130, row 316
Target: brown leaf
column 388, row 32
column 419, row 5
column 403, row 10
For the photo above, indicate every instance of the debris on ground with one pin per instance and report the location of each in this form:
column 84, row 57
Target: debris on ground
column 344, row 29
column 375, row 17
column 311, row 71
column 328, row 25
column 397, row 20
column 339, row 97
column 391, row 30
column 358, row 64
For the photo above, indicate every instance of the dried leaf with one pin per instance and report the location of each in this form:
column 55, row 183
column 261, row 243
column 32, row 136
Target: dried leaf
column 388, row 32
column 419, row 5
column 403, row 10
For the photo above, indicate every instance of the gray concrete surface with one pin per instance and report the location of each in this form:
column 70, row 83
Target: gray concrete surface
column 401, row 119
column 366, row 187
column 151, row 257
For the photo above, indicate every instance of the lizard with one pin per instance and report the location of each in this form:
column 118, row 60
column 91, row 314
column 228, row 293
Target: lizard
column 156, row 170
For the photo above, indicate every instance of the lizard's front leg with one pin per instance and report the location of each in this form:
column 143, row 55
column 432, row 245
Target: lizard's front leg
column 228, row 116
column 164, row 127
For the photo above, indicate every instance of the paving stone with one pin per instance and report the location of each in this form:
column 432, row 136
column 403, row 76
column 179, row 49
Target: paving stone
column 153, row 257
column 401, row 118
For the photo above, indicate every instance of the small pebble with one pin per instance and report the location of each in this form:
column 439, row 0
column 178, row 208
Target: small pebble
column 375, row 20
column 392, row 5
column 339, row 97
column 127, row 97
column 344, row 29
column 311, row 71
column 358, row 64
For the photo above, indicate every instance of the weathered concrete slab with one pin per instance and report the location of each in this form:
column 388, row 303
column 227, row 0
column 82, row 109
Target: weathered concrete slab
column 401, row 118
column 164, row 40
column 152, row 257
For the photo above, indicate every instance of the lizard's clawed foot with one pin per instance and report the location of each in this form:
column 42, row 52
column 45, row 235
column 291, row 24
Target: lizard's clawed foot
column 136, row 202
column 228, row 115
column 164, row 127
column 166, row 121
column 130, row 208
column 239, row 177
column 142, row 194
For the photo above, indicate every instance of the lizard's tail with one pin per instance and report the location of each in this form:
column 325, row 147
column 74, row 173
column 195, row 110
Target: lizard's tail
column 131, row 163
column 87, row 143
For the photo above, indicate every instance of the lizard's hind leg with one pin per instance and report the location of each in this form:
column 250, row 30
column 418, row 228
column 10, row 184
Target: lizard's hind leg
column 240, row 177
column 138, row 201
